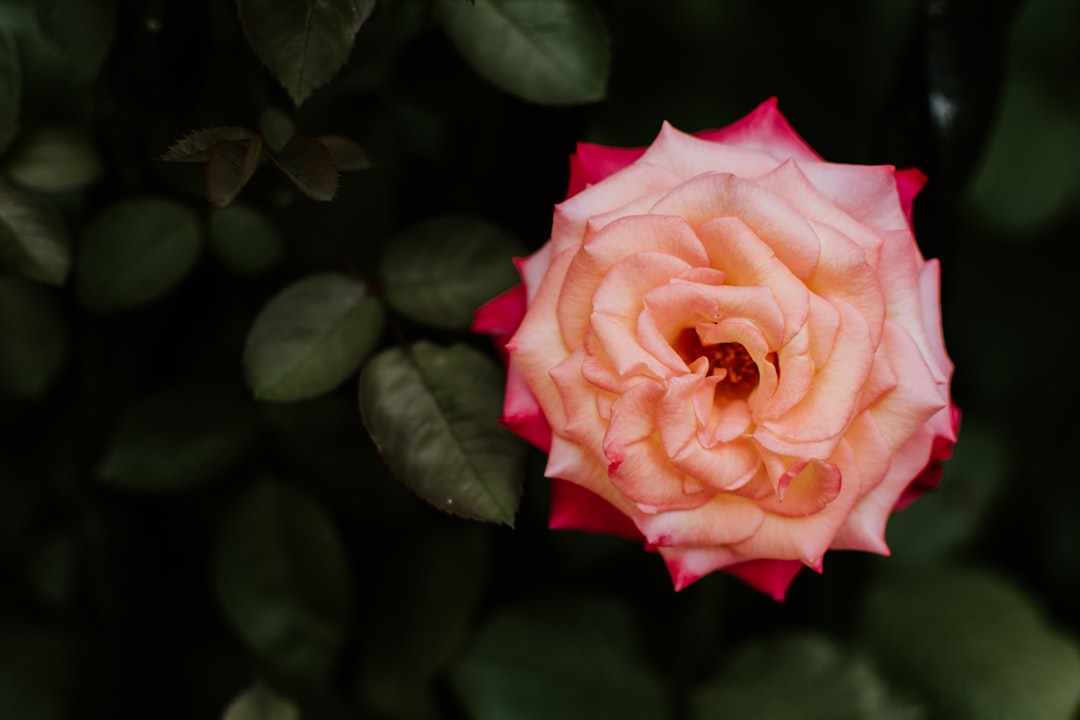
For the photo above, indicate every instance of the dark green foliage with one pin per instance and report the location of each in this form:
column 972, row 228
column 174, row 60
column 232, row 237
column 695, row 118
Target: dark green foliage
column 244, row 426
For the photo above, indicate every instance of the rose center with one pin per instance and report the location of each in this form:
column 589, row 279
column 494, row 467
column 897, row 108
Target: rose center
column 741, row 372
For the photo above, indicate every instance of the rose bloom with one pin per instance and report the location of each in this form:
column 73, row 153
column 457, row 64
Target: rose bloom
column 731, row 349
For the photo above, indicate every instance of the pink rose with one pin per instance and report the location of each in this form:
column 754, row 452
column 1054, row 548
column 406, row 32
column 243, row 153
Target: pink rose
column 732, row 349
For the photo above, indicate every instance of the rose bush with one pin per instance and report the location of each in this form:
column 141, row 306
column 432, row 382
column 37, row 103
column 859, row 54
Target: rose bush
column 731, row 349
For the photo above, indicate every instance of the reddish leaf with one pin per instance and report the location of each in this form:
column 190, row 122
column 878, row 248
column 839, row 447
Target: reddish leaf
column 196, row 146
column 347, row 153
column 229, row 167
column 310, row 166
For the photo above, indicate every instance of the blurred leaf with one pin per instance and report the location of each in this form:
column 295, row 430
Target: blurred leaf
column 303, row 42
column 10, row 89
column 33, row 339
column 800, row 677
column 35, row 672
column 944, row 520
column 421, row 617
column 433, row 415
column 1029, row 175
column 55, row 159
column 564, row 658
column 261, row 703
column 82, row 29
column 282, row 579
column 440, row 271
column 196, row 146
column 33, row 237
column 310, row 167
column 973, row 646
column 277, row 127
column 554, row 52
column 177, row 439
column 51, row 567
column 346, row 152
column 136, row 251
column 310, row 337
column 245, row 239
column 323, row 441
column 229, row 167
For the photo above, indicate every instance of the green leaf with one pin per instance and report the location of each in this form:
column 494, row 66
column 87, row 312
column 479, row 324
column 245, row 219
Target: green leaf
column 420, row 618
column 310, row 167
column 55, row 159
column 196, row 146
column 440, row 271
column 36, row 663
column 277, row 127
column 282, row 579
column 82, row 29
column 177, row 439
column 10, row 89
column 974, row 646
column 800, row 677
column 566, row 658
column 136, row 251
column 303, row 42
column 433, row 415
column 346, row 152
column 33, row 340
column 229, row 167
column 310, row 337
column 33, row 237
column 245, row 239
column 261, row 703
column 554, row 52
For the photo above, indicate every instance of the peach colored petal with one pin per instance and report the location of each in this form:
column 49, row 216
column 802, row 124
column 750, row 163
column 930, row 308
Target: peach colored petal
column 688, row 156
column 746, row 260
column 625, row 186
column 533, row 268
column 618, row 302
column 602, row 250
column 807, row 538
column 584, row 424
column 726, row 519
column 791, row 183
column 828, row 406
column 689, row 564
column 915, row 399
column 715, row 195
column 765, row 130
column 867, row 193
column 864, row 528
column 537, row 346
column 844, row 272
column 722, row 466
column 639, row 466
column 805, row 488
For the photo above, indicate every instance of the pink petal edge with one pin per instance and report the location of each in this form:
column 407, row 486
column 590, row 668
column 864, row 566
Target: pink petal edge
column 575, row 508
column 909, row 182
column 931, row 475
column 772, row 577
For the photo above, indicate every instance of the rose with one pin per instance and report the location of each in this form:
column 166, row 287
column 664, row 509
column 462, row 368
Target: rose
column 732, row 349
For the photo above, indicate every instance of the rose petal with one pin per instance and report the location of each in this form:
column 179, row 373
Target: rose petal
column 592, row 163
column 765, row 130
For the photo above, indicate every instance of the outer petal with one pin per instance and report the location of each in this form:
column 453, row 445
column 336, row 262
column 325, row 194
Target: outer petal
column 765, row 130
column 575, row 508
column 592, row 163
